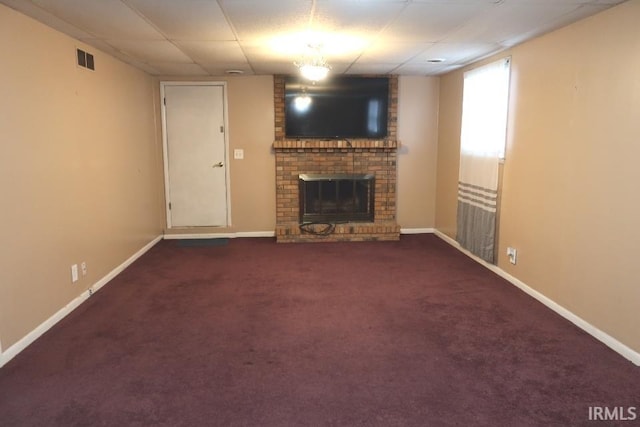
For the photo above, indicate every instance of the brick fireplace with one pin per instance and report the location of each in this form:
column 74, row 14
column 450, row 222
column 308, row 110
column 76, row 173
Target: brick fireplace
column 321, row 158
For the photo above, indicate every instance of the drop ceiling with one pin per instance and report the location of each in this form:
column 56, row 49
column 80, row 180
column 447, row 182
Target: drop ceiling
column 209, row 37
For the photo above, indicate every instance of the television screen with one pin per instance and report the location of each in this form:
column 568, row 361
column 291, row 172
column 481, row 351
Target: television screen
column 340, row 107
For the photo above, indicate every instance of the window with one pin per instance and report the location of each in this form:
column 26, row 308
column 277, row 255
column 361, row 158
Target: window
column 485, row 104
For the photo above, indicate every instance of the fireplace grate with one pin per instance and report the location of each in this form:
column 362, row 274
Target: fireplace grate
column 336, row 197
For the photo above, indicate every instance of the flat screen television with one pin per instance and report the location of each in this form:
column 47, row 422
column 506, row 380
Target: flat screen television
column 337, row 108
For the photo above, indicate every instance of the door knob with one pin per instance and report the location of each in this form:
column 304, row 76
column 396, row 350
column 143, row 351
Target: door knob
column 218, row 165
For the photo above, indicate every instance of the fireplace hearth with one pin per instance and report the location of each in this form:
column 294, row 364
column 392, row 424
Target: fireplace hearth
column 337, row 197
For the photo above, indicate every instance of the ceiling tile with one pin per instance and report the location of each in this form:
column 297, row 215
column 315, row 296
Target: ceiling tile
column 364, row 18
column 173, row 69
column 507, row 20
column 151, row 51
column 265, row 67
column 186, row 19
column 262, row 20
column 333, row 47
column 257, row 52
column 371, row 68
column 388, row 52
column 423, row 69
column 210, row 52
column 290, row 69
column 607, row 2
column 264, row 51
column 142, row 66
column 456, row 53
column 220, row 68
column 581, row 12
column 574, row 2
column 431, row 22
column 103, row 19
column 472, row 1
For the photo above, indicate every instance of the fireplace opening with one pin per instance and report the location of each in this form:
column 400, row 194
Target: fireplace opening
column 337, row 197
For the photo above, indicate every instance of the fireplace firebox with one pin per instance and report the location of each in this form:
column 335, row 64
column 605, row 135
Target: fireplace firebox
column 336, row 197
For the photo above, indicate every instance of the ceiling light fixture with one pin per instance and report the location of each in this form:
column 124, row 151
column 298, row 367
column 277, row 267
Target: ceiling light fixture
column 313, row 65
column 314, row 71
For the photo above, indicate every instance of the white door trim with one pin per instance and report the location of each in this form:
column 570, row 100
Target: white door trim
column 165, row 147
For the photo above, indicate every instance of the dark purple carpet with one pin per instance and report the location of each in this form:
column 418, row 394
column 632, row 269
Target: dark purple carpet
column 253, row 333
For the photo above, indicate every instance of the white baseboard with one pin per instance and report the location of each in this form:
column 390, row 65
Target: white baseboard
column 417, row 230
column 220, row 235
column 23, row 343
column 119, row 269
column 16, row 348
column 601, row 336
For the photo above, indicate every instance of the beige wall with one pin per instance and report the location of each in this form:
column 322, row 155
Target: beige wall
column 449, row 121
column 251, row 128
column 570, row 201
column 417, row 156
column 78, row 170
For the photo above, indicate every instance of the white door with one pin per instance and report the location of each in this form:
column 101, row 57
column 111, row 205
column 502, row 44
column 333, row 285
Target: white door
column 195, row 154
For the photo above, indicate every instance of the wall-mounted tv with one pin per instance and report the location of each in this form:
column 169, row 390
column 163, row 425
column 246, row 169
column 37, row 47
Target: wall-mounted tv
column 339, row 107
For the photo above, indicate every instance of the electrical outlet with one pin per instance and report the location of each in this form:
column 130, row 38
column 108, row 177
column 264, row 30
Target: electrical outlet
column 74, row 273
column 512, row 253
column 83, row 268
column 238, row 154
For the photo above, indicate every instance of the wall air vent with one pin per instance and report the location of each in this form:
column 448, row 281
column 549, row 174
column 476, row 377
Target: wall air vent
column 85, row 59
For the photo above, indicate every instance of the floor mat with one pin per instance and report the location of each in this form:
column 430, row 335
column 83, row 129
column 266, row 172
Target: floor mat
column 202, row 242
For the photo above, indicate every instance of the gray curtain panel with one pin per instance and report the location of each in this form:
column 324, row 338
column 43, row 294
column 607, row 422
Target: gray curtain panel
column 476, row 229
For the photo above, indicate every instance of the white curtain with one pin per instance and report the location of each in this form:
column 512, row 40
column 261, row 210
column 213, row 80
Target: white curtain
column 482, row 144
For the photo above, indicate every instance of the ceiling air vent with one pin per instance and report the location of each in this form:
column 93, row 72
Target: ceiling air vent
column 85, row 59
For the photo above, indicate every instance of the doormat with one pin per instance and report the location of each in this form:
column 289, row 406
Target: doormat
column 202, row 242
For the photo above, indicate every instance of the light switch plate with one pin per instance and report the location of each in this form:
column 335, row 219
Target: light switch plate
column 238, row 154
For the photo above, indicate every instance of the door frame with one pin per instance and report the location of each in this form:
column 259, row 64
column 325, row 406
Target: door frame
column 165, row 146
